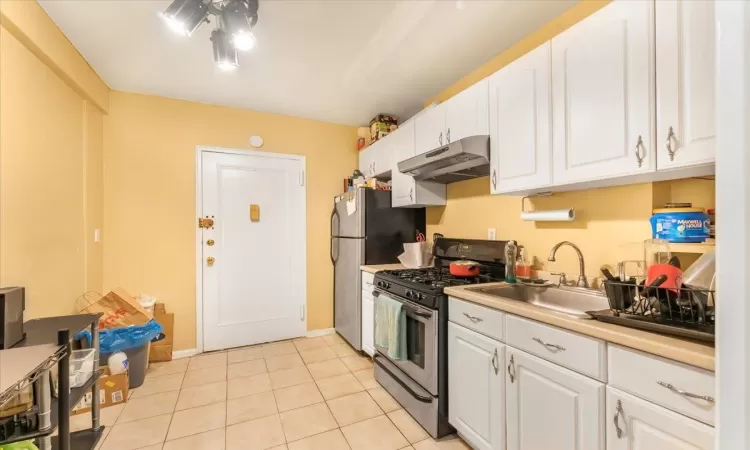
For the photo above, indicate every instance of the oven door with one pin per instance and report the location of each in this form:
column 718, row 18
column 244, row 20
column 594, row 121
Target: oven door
column 421, row 342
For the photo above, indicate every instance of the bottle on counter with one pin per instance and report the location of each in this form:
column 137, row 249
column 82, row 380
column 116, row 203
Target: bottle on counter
column 523, row 268
column 511, row 254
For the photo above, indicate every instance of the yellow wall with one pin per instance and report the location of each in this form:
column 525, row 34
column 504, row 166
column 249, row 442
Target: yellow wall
column 43, row 195
column 94, row 198
column 608, row 221
column 149, row 191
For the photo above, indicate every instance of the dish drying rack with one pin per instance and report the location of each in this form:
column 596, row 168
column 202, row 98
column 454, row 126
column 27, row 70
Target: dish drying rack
column 684, row 312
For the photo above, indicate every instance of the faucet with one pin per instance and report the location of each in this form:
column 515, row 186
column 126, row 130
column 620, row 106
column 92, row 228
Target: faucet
column 582, row 281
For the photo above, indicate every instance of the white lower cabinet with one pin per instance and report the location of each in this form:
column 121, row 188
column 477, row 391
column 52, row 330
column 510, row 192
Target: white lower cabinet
column 636, row 424
column 368, row 323
column 550, row 407
column 476, row 393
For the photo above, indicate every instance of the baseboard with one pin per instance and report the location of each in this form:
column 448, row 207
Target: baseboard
column 184, row 353
column 321, row 332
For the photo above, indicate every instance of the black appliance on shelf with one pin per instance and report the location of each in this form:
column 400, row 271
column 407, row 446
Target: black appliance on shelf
column 420, row 381
column 12, row 305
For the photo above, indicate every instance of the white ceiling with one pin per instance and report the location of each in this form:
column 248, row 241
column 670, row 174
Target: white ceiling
column 336, row 61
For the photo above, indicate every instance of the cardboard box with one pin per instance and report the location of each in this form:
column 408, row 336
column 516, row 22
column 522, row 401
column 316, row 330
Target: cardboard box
column 120, row 309
column 113, row 390
column 162, row 350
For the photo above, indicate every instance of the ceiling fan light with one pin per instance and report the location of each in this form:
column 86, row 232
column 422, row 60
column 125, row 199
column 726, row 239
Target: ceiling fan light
column 243, row 41
column 225, row 55
column 185, row 16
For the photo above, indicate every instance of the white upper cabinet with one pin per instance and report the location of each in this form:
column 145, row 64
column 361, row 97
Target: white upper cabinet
column 467, row 113
column 375, row 159
column 685, row 83
column 603, row 96
column 552, row 408
column 476, row 400
column 405, row 191
column 520, row 121
column 635, row 424
column 429, row 130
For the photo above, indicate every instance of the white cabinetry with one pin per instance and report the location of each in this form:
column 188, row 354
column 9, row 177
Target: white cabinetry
column 375, row 160
column 406, row 192
column 368, row 314
column 635, row 424
column 552, row 408
column 685, row 83
column 603, row 96
column 465, row 114
column 475, row 392
column 520, row 118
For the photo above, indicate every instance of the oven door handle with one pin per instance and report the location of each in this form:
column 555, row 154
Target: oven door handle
column 406, row 387
column 416, row 312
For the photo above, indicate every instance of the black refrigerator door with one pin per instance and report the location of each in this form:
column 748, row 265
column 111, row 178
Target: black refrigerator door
column 386, row 228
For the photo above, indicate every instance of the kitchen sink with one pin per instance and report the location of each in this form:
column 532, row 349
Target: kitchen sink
column 567, row 300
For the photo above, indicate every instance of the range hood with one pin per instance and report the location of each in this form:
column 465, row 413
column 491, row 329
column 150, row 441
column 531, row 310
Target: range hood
column 458, row 161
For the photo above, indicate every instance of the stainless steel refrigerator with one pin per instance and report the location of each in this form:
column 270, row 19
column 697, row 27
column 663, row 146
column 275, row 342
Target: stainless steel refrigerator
column 365, row 230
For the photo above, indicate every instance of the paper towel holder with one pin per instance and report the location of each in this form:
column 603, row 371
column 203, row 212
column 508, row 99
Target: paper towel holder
column 555, row 215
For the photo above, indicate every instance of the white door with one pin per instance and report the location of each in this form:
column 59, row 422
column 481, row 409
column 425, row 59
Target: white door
column 402, row 148
column 429, row 130
column 603, row 96
column 467, row 113
column 368, row 322
column 255, row 290
column 685, row 83
column 476, row 397
column 643, row 425
column 520, row 121
column 551, row 408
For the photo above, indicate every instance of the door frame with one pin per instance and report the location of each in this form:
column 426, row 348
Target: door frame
column 199, row 151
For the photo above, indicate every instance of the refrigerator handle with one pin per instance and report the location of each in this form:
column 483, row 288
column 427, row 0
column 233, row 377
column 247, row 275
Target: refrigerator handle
column 333, row 260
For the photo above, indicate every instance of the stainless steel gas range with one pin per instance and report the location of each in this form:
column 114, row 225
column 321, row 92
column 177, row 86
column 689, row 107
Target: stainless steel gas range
column 419, row 382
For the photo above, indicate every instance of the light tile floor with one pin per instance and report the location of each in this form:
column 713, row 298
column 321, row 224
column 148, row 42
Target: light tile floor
column 304, row 394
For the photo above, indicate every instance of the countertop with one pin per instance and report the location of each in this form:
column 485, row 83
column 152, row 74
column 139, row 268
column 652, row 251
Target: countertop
column 379, row 267
column 686, row 351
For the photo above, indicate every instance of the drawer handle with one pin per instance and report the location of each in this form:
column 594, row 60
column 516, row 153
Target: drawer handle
column 618, row 411
column 549, row 346
column 473, row 319
column 512, row 369
column 495, row 366
column 685, row 393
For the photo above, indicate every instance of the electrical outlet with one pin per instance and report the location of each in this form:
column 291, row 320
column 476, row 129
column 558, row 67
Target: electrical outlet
column 97, row 235
column 491, row 234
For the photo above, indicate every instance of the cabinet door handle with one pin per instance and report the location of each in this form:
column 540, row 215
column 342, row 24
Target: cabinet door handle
column 549, row 346
column 473, row 319
column 638, row 147
column 685, row 393
column 618, row 411
column 440, row 138
column 411, row 194
column 512, row 369
column 670, row 138
column 495, row 366
column 494, row 179
column 448, row 136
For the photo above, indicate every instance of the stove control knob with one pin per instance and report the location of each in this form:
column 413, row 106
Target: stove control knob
column 388, row 285
column 380, row 284
column 418, row 296
column 408, row 294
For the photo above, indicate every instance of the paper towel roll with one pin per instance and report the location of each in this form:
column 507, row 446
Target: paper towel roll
column 553, row 215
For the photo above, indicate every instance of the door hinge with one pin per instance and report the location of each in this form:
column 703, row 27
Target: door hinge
column 302, row 312
column 302, row 178
column 205, row 222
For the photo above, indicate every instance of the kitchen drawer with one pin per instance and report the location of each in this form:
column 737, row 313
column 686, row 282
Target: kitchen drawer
column 583, row 354
column 643, row 375
column 367, row 279
column 489, row 322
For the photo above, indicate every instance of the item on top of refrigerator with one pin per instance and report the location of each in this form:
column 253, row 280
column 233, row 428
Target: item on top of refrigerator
column 523, row 268
column 363, row 137
column 511, row 253
column 381, row 125
column 681, row 225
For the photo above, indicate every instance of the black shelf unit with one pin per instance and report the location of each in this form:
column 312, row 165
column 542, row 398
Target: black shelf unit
column 49, row 330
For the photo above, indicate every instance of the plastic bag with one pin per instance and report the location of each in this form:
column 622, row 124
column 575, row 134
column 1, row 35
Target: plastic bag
column 119, row 339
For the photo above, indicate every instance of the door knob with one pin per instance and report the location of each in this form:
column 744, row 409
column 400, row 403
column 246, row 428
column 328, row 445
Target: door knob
column 210, row 242
column 210, row 261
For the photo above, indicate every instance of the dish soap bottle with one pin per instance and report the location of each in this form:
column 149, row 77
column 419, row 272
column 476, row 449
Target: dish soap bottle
column 511, row 253
column 523, row 268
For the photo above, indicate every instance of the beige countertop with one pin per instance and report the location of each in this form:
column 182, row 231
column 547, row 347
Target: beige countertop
column 379, row 267
column 690, row 352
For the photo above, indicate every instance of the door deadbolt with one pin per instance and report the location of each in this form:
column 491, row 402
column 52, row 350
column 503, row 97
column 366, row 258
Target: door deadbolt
column 210, row 261
column 210, row 242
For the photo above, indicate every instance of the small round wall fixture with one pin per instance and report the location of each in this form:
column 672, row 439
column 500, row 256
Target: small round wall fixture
column 234, row 21
column 256, row 141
